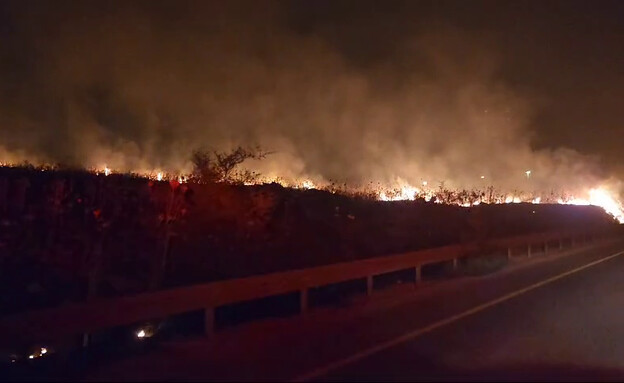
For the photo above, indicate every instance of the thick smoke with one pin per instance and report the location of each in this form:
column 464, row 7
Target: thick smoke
column 139, row 86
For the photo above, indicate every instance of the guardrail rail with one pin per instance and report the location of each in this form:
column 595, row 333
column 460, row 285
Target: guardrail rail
column 80, row 318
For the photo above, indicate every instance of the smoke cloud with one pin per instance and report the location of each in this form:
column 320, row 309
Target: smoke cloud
column 140, row 85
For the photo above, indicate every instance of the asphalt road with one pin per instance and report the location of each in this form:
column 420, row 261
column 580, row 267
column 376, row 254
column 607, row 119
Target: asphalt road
column 571, row 328
column 552, row 317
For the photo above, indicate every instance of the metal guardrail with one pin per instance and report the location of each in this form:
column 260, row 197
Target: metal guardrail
column 62, row 322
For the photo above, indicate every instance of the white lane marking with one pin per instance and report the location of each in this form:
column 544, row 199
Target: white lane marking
column 423, row 330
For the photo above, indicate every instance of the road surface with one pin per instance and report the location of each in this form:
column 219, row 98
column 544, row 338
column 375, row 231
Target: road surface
column 551, row 317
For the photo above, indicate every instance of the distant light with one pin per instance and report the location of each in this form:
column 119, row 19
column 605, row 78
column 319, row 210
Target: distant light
column 43, row 350
column 107, row 171
column 31, row 357
column 528, row 173
column 424, row 183
column 482, row 177
column 159, row 176
column 141, row 334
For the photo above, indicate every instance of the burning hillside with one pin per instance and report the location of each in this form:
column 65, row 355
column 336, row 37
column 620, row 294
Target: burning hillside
column 602, row 196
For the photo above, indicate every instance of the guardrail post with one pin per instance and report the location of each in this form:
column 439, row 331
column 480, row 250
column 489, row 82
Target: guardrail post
column 209, row 320
column 418, row 277
column 509, row 253
column 454, row 264
column 369, row 285
column 529, row 251
column 303, row 300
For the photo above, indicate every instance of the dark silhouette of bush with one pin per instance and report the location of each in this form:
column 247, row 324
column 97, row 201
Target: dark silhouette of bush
column 214, row 166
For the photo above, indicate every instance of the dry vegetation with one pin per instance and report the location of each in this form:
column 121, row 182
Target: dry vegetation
column 71, row 235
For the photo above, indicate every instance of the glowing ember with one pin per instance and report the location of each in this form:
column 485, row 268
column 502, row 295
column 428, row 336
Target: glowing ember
column 159, row 176
column 602, row 198
column 107, row 171
column 509, row 199
column 404, row 193
column 512, row 199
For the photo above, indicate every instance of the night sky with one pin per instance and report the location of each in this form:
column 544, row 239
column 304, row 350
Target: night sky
column 354, row 90
column 566, row 57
